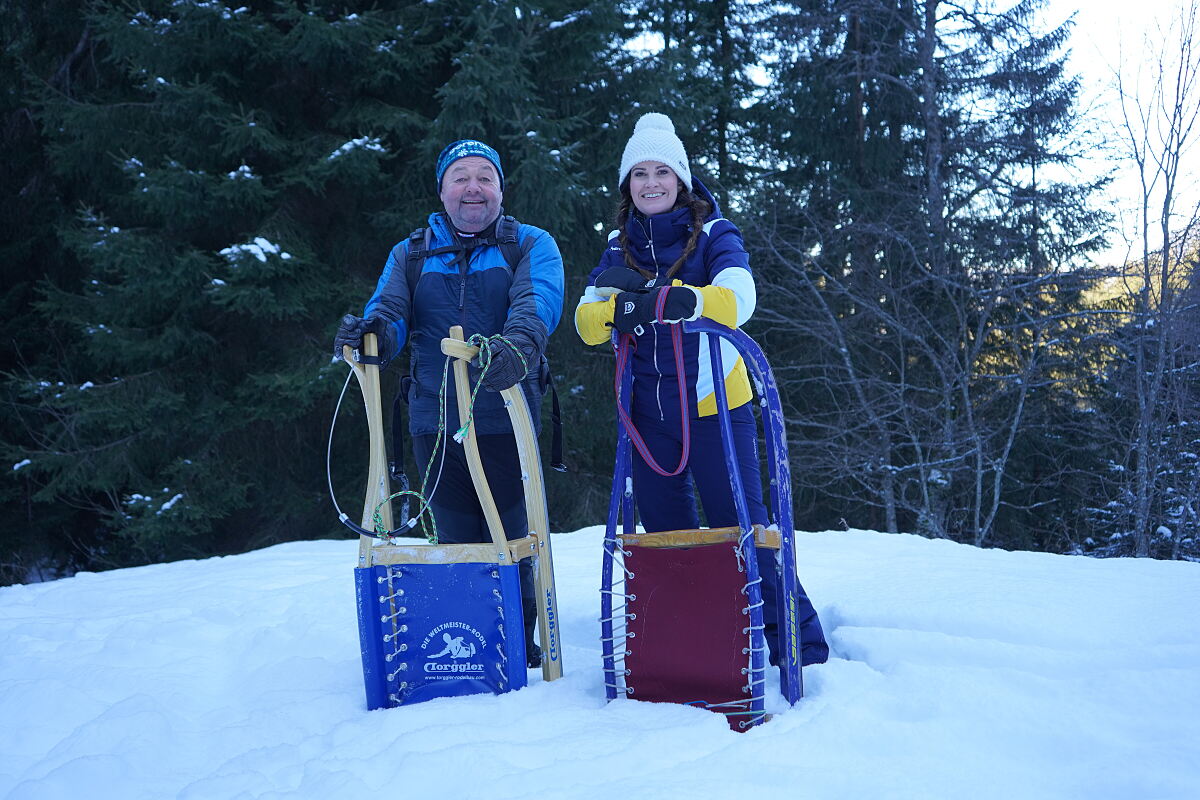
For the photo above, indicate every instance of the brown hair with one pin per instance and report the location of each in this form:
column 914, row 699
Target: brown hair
column 700, row 209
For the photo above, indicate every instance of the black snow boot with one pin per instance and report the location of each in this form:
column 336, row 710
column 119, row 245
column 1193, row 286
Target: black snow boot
column 533, row 655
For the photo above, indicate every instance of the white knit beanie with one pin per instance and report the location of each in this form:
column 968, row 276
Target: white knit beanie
column 654, row 139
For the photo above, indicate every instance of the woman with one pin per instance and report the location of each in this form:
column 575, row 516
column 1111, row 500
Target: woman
column 670, row 234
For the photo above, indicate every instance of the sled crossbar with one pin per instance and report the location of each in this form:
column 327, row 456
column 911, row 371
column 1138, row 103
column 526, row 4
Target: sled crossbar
column 763, row 537
column 517, row 549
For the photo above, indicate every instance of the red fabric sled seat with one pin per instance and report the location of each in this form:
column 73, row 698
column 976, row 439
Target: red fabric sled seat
column 688, row 630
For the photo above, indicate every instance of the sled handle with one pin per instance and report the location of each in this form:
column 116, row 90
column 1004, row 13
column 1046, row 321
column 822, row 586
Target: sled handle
column 462, row 392
column 537, row 518
column 377, row 473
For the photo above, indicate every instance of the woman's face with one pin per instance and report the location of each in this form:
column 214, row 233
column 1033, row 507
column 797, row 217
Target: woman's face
column 653, row 186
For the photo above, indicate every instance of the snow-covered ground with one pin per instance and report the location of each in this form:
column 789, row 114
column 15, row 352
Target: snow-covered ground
column 956, row 673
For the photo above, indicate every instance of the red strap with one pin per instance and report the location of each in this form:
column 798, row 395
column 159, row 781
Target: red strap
column 624, row 347
column 660, row 303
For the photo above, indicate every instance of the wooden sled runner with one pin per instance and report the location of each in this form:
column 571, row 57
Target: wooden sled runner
column 682, row 611
column 442, row 620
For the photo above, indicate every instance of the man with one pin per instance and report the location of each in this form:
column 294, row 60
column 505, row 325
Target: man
column 461, row 275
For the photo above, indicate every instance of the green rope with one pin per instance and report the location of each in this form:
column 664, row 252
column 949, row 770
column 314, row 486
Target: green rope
column 425, row 514
column 382, row 529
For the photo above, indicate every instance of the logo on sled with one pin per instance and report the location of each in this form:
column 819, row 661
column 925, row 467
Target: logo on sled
column 553, row 624
column 449, row 648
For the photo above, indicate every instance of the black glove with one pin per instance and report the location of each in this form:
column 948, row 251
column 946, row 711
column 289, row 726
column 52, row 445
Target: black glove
column 506, row 369
column 680, row 305
column 352, row 329
column 349, row 334
column 621, row 279
column 634, row 310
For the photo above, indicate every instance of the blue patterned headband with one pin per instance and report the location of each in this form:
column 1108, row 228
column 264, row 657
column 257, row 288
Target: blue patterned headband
column 463, row 148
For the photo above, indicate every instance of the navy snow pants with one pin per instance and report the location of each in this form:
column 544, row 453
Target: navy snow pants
column 667, row 504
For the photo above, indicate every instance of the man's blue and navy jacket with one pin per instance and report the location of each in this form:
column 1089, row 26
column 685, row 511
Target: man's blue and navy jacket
column 483, row 295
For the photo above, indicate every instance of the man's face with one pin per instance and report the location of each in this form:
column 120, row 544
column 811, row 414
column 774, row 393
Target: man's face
column 471, row 193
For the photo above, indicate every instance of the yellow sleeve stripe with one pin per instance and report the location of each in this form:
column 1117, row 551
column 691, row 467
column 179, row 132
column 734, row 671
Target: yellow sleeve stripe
column 593, row 318
column 720, row 305
column 737, row 390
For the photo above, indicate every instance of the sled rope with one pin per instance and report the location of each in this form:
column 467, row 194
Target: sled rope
column 425, row 514
column 380, row 531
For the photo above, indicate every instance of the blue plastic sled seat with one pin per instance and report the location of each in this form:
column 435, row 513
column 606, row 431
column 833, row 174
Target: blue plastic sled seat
column 443, row 620
column 439, row 629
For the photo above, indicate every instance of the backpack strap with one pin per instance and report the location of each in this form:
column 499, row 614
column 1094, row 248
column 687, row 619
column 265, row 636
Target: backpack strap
column 556, row 439
column 396, row 471
column 506, row 238
column 418, row 250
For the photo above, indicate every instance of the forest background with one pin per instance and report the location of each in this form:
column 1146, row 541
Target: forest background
column 194, row 193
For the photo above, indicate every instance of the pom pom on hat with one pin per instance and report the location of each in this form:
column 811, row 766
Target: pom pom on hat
column 654, row 139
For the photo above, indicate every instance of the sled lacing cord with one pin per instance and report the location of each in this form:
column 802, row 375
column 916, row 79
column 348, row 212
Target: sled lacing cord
column 742, row 706
column 620, row 562
column 619, row 620
column 485, row 356
column 624, row 348
column 744, row 551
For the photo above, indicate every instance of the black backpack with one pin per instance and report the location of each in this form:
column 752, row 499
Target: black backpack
column 419, row 249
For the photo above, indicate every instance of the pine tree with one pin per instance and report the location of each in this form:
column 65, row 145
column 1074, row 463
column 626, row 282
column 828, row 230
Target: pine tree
column 232, row 164
column 46, row 49
column 917, row 137
column 240, row 174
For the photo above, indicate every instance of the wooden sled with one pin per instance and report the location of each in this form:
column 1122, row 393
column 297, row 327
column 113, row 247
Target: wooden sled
column 682, row 611
column 439, row 620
